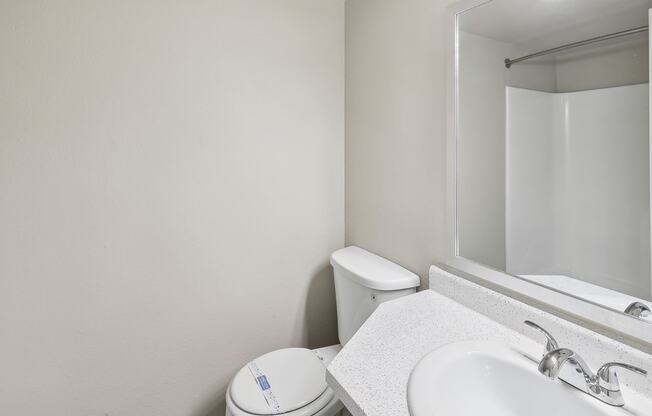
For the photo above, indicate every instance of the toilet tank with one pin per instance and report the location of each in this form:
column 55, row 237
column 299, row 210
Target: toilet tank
column 363, row 281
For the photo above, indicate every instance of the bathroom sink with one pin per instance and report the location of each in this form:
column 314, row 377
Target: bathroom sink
column 493, row 379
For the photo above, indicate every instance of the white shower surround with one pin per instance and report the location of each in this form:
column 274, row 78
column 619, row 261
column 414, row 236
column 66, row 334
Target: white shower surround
column 572, row 207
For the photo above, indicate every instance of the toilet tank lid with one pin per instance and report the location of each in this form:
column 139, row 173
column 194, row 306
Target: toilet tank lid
column 373, row 271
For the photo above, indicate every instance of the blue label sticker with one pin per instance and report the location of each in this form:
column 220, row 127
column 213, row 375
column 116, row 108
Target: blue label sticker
column 265, row 388
column 263, row 383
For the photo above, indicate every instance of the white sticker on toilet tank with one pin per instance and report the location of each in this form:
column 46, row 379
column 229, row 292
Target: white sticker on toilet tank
column 263, row 383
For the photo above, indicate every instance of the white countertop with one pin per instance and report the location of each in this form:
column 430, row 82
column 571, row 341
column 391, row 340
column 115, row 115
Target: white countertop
column 370, row 374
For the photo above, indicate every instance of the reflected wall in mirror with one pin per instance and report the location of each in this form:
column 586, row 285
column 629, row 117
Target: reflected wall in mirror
column 553, row 171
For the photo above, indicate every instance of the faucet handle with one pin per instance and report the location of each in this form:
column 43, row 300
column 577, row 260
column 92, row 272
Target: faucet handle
column 551, row 343
column 608, row 379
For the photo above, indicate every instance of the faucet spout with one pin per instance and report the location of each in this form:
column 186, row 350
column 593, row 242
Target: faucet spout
column 603, row 386
column 552, row 363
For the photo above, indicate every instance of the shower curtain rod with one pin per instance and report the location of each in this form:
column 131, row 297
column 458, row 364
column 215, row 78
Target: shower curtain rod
column 510, row 62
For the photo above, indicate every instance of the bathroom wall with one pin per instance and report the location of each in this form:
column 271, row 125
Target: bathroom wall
column 171, row 188
column 578, row 186
column 396, row 130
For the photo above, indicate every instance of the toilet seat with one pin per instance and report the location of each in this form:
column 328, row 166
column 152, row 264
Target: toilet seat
column 289, row 382
column 325, row 405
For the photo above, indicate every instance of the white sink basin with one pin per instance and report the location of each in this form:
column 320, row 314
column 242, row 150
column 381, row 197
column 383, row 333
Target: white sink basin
column 493, row 379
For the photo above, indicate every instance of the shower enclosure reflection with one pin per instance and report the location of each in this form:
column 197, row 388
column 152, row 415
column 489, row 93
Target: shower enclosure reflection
column 553, row 150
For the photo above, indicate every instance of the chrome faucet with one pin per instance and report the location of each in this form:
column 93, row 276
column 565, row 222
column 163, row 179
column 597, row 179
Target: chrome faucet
column 638, row 309
column 551, row 343
column 567, row 365
column 552, row 363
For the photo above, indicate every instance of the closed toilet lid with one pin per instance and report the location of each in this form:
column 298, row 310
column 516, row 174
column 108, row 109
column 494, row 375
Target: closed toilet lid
column 279, row 382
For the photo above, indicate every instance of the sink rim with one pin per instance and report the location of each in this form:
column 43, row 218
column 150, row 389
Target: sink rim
column 509, row 354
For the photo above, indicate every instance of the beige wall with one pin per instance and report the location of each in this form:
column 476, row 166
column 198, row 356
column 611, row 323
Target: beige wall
column 171, row 187
column 615, row 63
column 396, row 130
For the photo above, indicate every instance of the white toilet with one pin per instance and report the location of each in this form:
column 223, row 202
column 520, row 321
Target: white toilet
column 292, row 381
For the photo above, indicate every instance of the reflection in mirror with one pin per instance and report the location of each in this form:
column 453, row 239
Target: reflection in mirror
column 553, row 150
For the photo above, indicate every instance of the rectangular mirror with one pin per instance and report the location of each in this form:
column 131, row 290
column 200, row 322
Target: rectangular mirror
column 551, row 166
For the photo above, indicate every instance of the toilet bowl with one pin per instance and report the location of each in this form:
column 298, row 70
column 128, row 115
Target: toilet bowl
column 292, row 381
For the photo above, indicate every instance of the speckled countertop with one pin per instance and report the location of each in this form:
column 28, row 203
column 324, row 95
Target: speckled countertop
column 371, row 373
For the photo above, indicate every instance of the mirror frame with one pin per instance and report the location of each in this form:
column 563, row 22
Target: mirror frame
column 615, row 324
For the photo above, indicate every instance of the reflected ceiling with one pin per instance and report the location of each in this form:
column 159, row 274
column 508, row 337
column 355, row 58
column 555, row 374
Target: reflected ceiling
column 542, row 24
